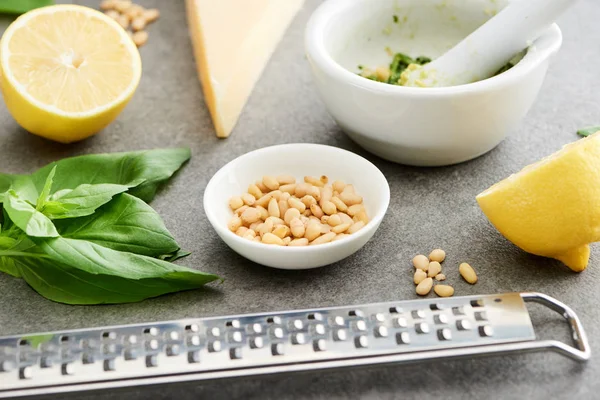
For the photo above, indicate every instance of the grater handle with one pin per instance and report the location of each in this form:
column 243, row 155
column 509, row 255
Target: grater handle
column 582, row 350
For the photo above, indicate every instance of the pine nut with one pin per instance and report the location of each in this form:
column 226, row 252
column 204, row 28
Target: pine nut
column 291, row 214
column 274, row 208
column 257, row 239
column 254, row 226
column 107, row 5
column 265, row 227
column 305, row 220
column 316, row 210
column 326, row 195
column 328, row 207
column 434, row 269
column 444, row 290
column 283, row 207
column 234, row 223
column 340, row 228
column 301, row 189
column 251, row 236
column 235, row 202
column 151, row 15
column 270, row 182
column 136, row 11
column 290, row 188
column 355, row 227
column 440, row 277
column 255, row 191
column 250, row 216
column 297, row 204
column 308, row 200
column 326, row 238
column 264, row 200
column 324, row 219
column 287, row 240
column 420, row 275
column 325, row 229
column 311, row 180
column 421, row 262
column 137, row 23
column 334, row 220
column 286, row 179
column 339, row 186
column 339, row 204
column 299, row 242
column 241, row 231
column 269, row 238
column 248, row 199
column 114, row 14
column 276, row 221
column 276, row 194
column 314, row 192
column 281, row 231
column 345, row 218
column 297, row 227
column 122, row 5
column 262, row 187
column 123, row 20
column 348, row 189
column 313, row 231
column 324, row 179
column 307, row 212
column 438, row 255
column 240, row 210
column 355, row 209
column 468, row 273
column 362, row 216
column 350, row 199
column 264, row 214
column 339, row 236
column 424, row 287
column 284, row 196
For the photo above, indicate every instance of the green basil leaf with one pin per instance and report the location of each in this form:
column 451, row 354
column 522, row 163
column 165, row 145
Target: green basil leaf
column 6, row 242
column 590, row 130
column 46, row 190
column 9, row 266
column 175, row 256
column 125, row 224
column 22, row 6
column 27, row 218
column 82, row 201
column 79, row 272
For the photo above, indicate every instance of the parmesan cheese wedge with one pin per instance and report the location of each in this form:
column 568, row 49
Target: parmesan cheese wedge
column 233, row 41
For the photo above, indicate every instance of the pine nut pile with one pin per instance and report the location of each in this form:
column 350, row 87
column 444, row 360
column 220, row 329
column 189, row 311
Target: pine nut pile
column 279, row 211
column 132, row 17
column 429, row 268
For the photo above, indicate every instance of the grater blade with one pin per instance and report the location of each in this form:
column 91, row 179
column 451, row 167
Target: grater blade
column 252, row 344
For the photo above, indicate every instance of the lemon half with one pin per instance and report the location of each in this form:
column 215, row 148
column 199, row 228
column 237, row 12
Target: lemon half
column 551, row 208
column 67, row 71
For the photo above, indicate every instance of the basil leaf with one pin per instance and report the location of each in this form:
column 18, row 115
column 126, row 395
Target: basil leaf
column 175, row 256
column 46, row 190
column 79, row 272
column 125, row 224
column 590, row 130
column 22, row 6
column 27, row 218
column 82, row 201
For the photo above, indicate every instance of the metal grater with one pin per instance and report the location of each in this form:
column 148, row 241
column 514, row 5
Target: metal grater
column 252, row 344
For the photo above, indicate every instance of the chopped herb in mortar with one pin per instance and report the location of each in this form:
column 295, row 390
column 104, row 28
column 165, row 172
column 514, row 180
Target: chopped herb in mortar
column 590, row 130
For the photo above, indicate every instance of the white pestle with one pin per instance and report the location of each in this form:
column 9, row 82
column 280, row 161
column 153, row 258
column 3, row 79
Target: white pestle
column 491, row 46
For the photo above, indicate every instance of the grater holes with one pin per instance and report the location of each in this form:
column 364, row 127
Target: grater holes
column 476, row 303
column 395, row 310
column 274, row 320
column 151, row 331
column 356, row 313
column 24, row 342
column 192, row 328
column 315, row 316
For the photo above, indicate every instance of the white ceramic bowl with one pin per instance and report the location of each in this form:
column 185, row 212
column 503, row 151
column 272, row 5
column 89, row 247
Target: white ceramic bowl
column 297, row 160
column 418, row 126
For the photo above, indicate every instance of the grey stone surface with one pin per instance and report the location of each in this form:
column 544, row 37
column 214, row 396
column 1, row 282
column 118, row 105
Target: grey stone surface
column 430, row 207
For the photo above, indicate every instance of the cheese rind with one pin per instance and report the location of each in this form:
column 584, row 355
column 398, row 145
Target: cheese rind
column 233, row 41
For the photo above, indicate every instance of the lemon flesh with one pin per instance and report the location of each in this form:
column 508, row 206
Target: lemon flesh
column 67, row 71
column 551, row 208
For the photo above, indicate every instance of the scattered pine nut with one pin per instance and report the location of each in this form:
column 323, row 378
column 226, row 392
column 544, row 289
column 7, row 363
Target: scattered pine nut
column 421, row 262
column 297, row 228
column 242, row 230
column 106, row 5
column 240, row 210
column 340, row 205
column 137, row 23
column 264, row 214
column 299, row 242
column 328, row 207
column 334, row 220
column 325, row 229
column 289, row 188
column 340, row 228
column 468, row 273
column 313, row 231
column 311, row 180
column 261, row 186
column 326, row 195
column 274, row 208
column 362, row 216
column 234, row 223
column 122, row 5
column 135, row 11
column 355, row 227
column 287, row 240
column 255, row 191
column 113, row 14
column 434, row 269
column 235, row 202
column 281, row 231
column 424, row 287
column 438, row 255
column 326, row 238
column 123, row 20
column 440, row 277
column 250, row 216
column 248, row 199
column 339, row 186
column 270, row 182
column 286, row 179
column 270, row 238
column 339, row 236
column 420, row 275
column 308, row 200
column 444, row 290
column 151, row 15
column 301, row 189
